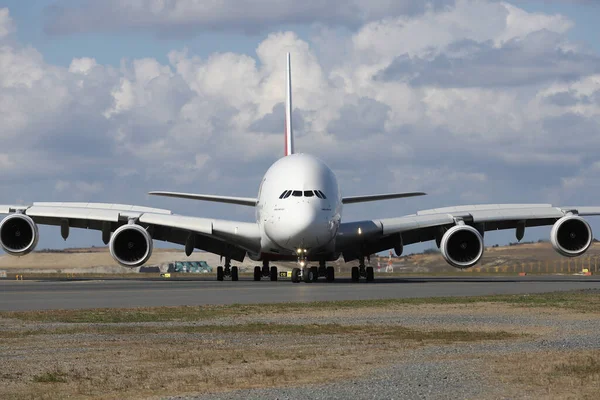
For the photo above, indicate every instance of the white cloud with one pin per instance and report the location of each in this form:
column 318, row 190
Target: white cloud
column 82, row 65
column 7, row 25
column 520, row 23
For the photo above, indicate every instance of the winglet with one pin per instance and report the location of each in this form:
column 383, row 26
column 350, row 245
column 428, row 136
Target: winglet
column 289, row 135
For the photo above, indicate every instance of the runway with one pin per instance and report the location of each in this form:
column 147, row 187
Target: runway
column 79, row 294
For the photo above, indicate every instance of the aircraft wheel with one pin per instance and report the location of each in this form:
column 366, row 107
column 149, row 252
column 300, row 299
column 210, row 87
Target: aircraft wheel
column 234, row 273
column 257, row 273
column 355, row 274
column 295, row 275
column 273, row 274
column 322, row 271
column 315, row 273
column 370, row 274
column 219, row 273
column 307, row 275
column 330, row 274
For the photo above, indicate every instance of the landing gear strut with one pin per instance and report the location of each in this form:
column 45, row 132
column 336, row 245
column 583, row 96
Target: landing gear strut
column 362, row 271
column 265, row 271
column 227, row 271
column 302, row 273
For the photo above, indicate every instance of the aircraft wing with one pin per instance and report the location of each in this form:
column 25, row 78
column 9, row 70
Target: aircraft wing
column 213, row 235
column 243, row 201
column 382, row 234
column 376, row 197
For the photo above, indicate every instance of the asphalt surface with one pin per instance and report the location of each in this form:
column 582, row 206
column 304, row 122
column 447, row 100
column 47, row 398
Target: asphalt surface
column 74, row 294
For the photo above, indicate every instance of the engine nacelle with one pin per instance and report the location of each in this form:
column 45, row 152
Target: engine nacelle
column 131, row 245
column 18, row 234
column 462, row 246
column 571, row 236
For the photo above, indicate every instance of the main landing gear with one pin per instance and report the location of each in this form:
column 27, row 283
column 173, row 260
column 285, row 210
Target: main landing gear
column 362, row 271
column 227, row 271
column 265, row 271
column 312, row 274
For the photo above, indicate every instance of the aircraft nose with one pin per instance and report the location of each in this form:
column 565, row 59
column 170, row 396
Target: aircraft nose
column 299, row 227
column 301, row 223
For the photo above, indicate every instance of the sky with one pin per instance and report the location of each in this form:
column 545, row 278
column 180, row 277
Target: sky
column 471, row 101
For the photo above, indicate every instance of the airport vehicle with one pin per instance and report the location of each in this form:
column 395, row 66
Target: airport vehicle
column 194, row 267
column 298, row 218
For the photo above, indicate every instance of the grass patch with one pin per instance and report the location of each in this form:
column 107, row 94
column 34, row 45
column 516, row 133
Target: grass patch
column 581, row 367
column 55, row 376
column 392, row 332
column 582, row 301
column 551, row 374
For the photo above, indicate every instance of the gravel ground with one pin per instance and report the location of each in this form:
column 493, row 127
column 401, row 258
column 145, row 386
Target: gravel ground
column 413, row 379
column 147, row 364
column 448, row 371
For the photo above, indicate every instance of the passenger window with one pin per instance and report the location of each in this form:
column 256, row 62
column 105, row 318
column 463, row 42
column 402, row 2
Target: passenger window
column 297, row 193
column 322, row 194
column 308, row 193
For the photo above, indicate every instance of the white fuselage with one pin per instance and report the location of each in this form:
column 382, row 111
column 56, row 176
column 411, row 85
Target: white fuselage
column 291, row 215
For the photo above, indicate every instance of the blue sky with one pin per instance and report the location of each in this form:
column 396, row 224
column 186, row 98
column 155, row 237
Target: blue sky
column 111, row 48
column 447, row 98
column 585, row 15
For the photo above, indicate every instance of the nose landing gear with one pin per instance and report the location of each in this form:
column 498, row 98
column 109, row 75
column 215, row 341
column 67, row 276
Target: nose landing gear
column 312, row 274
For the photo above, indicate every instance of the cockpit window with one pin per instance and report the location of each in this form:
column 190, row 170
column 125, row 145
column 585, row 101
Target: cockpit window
column 300, row 193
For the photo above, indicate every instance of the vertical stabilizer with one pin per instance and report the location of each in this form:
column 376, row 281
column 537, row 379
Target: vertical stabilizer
column 289, row 135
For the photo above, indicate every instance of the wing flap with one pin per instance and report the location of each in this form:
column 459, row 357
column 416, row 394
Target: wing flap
column 584, row 211
column 410, row 222
column 516, row 214
column 479, row 207
column 73, row 213
column 193, row 224
column 105, row 206
column 7, row 208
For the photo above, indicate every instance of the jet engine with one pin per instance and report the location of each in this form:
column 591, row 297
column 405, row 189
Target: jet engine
column 571, row 236
column 18, row 234
column 462, row 246
column 131, row 245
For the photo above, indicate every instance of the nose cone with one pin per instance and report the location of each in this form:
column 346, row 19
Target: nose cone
column 302, row 226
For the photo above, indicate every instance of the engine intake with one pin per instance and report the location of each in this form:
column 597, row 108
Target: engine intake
column 462, row 246
column 571, row 236
column 18, row 234
column 131, row 245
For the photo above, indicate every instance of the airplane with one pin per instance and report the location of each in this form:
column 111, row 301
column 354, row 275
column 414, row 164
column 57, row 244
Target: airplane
column 298, row 218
